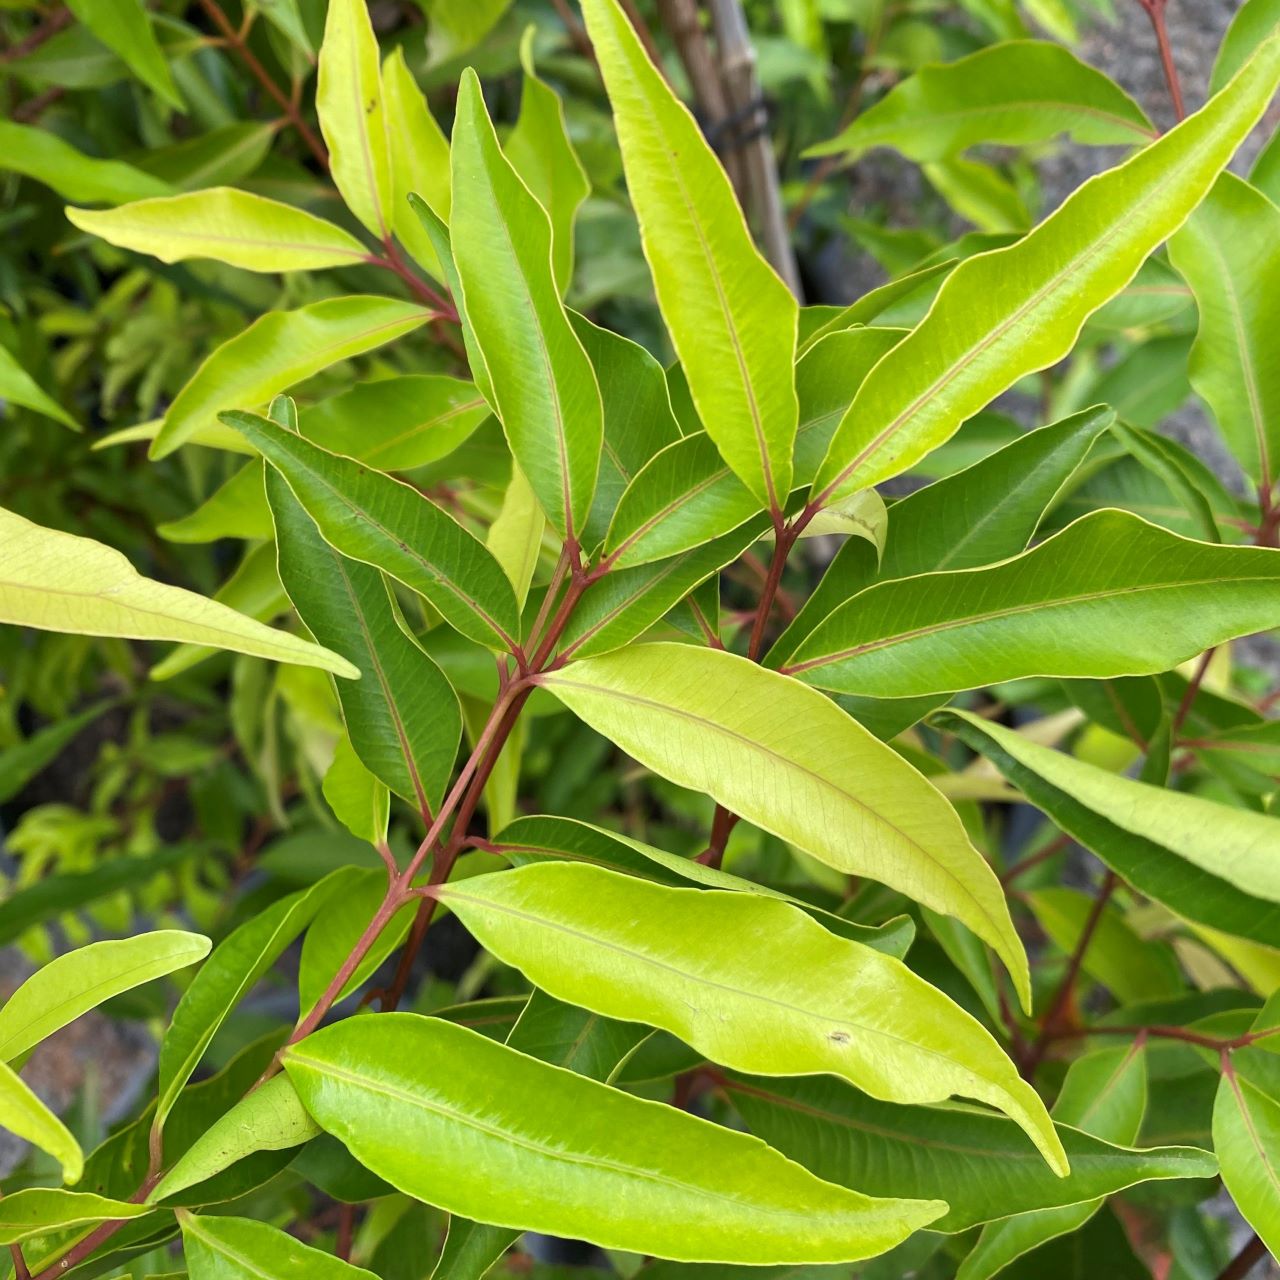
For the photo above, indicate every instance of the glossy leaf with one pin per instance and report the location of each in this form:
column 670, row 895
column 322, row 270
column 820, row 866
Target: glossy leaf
column 515, row 536
column 59, row 582
column 402, row 714
column 223, row 1248
column 788, row 760
column 349, row 104
column 124, row 26
column 1246, row 1136
column 278, row 350
column 81, row 980
column 370, row 517
column 1203, row 860
column 42, row 155
column 27, row 1118
column 543, row 387
column 38, row 1211
column 788, row 998
column 235, row 227
column 1007, row 313
column 461, row 1122
column 359, row 800
column 1016, row 92
column 1229, row 252
column 982, row 1164
column 732, row 321
column 1108, row 596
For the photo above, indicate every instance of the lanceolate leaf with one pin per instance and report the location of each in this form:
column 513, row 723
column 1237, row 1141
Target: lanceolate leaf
column 1007, row 313
column 983, row 1165
column 349, row 104
column 27, row 1118
column 124, row 26
column 39, row 1211
column 1229, row 252
column 462, row 1122
column 221, row 1248
column 731, row 319
column 236, row 227
column 1210, row 863
column 81, row 980
column 787, row 998
column 788, row 760
column 58, row 582
column 373, row 518
column 544, row 389
column 1015, row 92
column 18, row 387
column 402, row 714
column 278, row 350
column 1108, row 596
column 42, row 155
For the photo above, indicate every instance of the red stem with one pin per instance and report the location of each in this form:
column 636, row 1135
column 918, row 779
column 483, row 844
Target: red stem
column 1155, row 11
column 1244, row 1261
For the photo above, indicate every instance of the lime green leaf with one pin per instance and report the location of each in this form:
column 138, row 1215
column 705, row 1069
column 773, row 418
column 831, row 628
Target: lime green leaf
column 788, row 760
column 457, row 1120
column 419, row 157
column 18, row 387
column 81, row 980
column 543, row 387
column 44, row 156
column 58, row 582
column 786, row 998
column 515, row 537
column 371, row 517
column 731, row 319
column 38, row 1211
column 278, row 350
column 870, row 306
column 1108, row 596
column 983, row 1164
column 402, row 713
column 224, row 1248
column 1251, row 24
column 1007, row 313
column 235, row 227
column 541, row 153
column 1246, row 1136
column 1017, row 92
column 124, row 27
column 349, row 104
column 539, row 839
column 26, row 1117
column 236, row 509
column 359, row 800
column 396, row 424
column 227, row 154
column 1229, row 252
column 271, row 1118
column 1210, row 863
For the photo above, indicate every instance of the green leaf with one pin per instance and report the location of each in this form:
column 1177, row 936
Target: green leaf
column 419, row 158
column 125, row 28
column 541, row 153
column 515, row 536
column 870, row 306
column 236, row 964
column 235, row 227
column 1007, row 313
column 1203, row 860
column 38, row 1211
column 1105, row 1094
column 732, row 320
column 537, row 839
column 1250, row 25
column 58, row 582
column 359, row 800
column 277, row 350
column 271, row 1118
column 17, row 386
column 219, row 1248
column 1229, row 252
column 44, row 156
column 227, row 154
column 24, row 760
column 402, row 714
column 1111, row 595
column 789, row 761
column 1017, row 92
column 459, row 1121
column 26, row 1117
column 349, row 104
column 396, row 424
column 543, row 387
column 982, row 1164
column 81, row 980
column 786, row 998
column 1246, row 1136
column 370, row 517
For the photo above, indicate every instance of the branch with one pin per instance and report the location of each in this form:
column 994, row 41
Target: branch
column 1244, row 1261
column 1155, row 11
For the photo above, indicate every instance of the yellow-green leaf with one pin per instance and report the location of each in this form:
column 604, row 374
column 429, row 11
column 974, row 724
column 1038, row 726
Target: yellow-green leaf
column 26, row 1117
